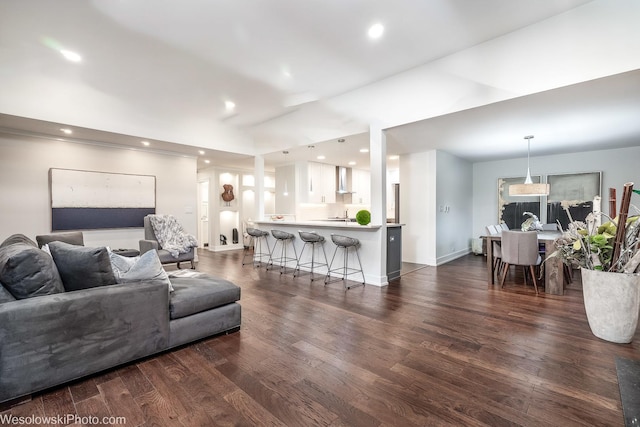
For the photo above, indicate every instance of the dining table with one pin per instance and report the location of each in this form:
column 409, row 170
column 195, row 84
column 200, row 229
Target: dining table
column 553, row 269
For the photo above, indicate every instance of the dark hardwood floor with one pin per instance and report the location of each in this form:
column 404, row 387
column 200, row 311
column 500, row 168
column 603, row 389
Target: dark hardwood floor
column 436, row 347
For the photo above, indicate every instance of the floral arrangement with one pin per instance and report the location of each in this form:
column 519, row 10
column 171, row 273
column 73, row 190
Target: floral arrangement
column 591, row 246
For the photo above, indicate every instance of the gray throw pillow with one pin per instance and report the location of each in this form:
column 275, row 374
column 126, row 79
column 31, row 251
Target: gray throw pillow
column 82, row 267
column 26, row 271
column 134, row 269
column 18, row 238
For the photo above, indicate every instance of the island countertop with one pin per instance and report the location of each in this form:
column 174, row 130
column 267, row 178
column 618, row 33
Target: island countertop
column 370, row 237
column 323, row 224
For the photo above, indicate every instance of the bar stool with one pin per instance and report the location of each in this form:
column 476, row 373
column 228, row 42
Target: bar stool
column 345, row 243
column 313, row 239
column 285, row 239
column 257, row 237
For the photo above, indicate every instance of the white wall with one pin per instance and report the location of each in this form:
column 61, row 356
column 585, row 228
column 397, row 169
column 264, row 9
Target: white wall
column 25, row 205
column 617, row 166
column 418, row 207
column 454, row 195
column 436, row 195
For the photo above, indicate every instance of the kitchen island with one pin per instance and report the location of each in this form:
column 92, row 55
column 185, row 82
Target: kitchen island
column 372, row 238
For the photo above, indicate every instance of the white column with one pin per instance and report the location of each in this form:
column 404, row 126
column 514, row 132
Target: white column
column 258, row 172
column 378, row 161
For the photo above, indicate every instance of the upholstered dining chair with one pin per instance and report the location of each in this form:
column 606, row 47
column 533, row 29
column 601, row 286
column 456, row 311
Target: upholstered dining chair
column 520, row 248
column 494, row 230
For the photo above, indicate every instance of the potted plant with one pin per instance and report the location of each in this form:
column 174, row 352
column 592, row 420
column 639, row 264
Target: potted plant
column 609, row 259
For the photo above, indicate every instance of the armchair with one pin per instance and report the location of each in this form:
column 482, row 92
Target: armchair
column 150, row 242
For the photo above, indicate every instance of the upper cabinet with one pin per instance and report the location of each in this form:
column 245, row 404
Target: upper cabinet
column 361, row 186
column 321, row 183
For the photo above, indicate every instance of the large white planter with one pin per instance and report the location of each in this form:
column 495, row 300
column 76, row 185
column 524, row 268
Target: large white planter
column 612, row 303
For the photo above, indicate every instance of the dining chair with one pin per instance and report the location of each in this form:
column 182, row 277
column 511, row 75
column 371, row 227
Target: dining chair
column 494, row 230
column 520, row 248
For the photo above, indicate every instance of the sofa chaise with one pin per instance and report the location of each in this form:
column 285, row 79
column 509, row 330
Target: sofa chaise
column 70, row 327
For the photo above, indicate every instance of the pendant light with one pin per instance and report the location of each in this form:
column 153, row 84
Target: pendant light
column 529, row 188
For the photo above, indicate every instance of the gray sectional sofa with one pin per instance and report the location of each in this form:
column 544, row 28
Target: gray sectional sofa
column 50, row 335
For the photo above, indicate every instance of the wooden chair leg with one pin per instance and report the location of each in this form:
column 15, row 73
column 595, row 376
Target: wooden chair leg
column 504, row 273
column 497, row 266
column 533, row 276
column 568, row 273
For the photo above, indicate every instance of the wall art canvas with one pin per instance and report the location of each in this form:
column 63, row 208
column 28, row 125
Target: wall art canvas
column 511, row 209
column 575, row 190
column 84, row 200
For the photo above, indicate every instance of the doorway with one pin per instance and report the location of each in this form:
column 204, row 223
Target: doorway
column 203, row 214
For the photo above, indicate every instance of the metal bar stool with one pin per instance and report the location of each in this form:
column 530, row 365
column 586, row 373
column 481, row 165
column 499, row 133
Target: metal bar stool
column 256, row 238
column 285, row 239
column 313, row 239
column 345, row 243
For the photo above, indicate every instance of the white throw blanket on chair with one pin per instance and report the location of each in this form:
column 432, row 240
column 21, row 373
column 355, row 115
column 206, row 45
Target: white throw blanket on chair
column 171, row 236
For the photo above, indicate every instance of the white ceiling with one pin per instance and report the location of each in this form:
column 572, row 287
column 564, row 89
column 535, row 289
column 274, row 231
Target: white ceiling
column 464, row 76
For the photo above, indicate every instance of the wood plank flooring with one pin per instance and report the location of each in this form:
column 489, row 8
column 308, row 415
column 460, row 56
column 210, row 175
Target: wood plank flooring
column 436, row 347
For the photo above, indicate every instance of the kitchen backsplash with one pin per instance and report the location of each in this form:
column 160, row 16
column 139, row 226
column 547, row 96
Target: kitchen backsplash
column 308, row 212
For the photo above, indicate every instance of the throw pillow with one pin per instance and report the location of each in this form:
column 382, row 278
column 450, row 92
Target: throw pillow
column 18, row 238
column 82, row 267
column 26, row 271
column 134, row 269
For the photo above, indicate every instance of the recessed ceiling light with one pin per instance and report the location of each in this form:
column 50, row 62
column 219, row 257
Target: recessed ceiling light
column 201, row 152
column 207, row 161
column 286, row 73
column 364, row 150
column 394, row 157
column 376, row 31
column 321, row 157
column 229, row 105
column 70, row 56
column 145, row 143
column 351, row 163
column 67, row 131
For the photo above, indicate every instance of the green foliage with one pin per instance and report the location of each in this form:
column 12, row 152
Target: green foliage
column 363, row 217
column 592, row 247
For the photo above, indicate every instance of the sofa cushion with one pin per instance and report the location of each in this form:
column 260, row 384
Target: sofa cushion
column 18, row 238
column 26, row 271
column 82, row 267
column 203, row 292
column 5, row 295
column 134, row 269
column 71, row 237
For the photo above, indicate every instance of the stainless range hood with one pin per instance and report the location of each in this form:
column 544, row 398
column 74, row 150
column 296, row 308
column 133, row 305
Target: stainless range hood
column 343, row 180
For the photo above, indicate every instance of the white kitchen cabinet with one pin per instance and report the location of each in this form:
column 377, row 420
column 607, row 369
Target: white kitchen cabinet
column 321, row 183
column 361, row 186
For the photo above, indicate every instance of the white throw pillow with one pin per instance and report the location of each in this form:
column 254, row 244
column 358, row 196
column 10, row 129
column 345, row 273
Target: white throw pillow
column 134, row 269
